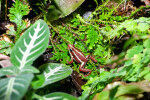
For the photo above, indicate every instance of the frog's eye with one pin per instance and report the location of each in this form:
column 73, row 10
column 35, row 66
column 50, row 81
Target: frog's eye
column 70, row 50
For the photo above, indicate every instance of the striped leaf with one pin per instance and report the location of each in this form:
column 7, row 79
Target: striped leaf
column 14, row 88
column 55, row 96
column 11, row 70
column 53, row 72
column 30, row 45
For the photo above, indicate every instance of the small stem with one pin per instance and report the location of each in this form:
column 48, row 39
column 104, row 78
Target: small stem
column 0, row 8
column 58, row 33
column 133, row 13
column 75, row 34
column 52, row 44
column 5, row 9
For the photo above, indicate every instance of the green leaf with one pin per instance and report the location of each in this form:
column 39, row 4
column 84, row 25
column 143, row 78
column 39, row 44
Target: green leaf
column 130, row 25
column 147, row 43
column 53, row 13
column 53, row 72
column 85, row 94
column 135, row 50
column 14, row 88
column 67, row 6
column 55, row 96
column 128, row 89
column 30, row 45
column 6, row 47
column 143, row 26
column 38, row 81
column 17, row 11
column 128, row 63
column 145, row 71
column 147, row 77
column 60, row 96
column 29, row 69
column 12, row 70
column 100, row 51
column 104, row 95
column 92, row 37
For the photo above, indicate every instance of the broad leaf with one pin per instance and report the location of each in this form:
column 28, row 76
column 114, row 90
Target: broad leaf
column 55, row 96
column 29, row 69
column 12, row 70
column 9, row 71
column 30, row 45
column 68, row 6
column 14, row 88
column 53, row 72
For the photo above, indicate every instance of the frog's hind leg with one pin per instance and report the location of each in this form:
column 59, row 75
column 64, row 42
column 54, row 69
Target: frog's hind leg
column 82, row 69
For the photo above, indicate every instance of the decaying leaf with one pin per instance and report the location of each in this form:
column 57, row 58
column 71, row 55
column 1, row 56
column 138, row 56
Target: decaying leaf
column 6, row 38
column 5, row 63
column 3, row 56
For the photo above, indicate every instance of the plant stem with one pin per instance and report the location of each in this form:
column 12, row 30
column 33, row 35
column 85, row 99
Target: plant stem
column 5, row 9
column 0, row 8
column 133, row 13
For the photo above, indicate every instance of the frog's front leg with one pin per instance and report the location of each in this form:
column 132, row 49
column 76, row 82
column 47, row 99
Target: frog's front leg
column 82, row 69
column 92, row 58
column 70, row 62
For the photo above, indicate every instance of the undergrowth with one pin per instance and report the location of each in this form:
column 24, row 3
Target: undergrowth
column 16, row 14
column 96, row 35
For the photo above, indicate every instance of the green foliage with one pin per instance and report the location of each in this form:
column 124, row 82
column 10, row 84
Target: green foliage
column 17, row 11
column 97, row 83
column 92, row 36
column 139, row 26
column 66, row 7
column 121, row 91
column 52, row 73
column 87, row 39
column 95, row 36
column 136, row 67
column 29, row 46
column 6, row 47
column 56, row 96
column 35, row 41
column 14, row 87
column 16, row 14
column 86, row 35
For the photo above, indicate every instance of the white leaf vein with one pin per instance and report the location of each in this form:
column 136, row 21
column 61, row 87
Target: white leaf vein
column 16, row 92
column 51, row 71
column 29, row 46
column 19, row 84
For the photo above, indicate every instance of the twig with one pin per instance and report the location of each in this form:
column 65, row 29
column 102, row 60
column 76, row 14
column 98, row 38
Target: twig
column 52, row 43
column 5, row 9
column 75, row 34
column 133, row 13
column 0, row 8
column 58, row 33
